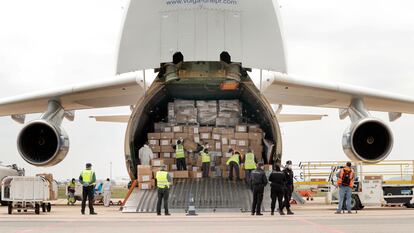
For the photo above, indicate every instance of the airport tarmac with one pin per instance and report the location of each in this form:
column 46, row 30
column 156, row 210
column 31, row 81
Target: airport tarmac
column 308, row 218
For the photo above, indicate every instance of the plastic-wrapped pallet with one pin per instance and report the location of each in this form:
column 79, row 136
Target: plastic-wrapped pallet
column 185, row 111
column 171, row 113
column 229, row 113
column 207, row 112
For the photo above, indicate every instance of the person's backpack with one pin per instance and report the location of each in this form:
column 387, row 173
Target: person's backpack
column 346, row 177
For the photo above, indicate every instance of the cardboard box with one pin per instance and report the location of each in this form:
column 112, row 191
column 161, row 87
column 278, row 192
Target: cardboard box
column 233, row 142
column 243, row 142
column 154, row 136
column 224, row 141
column 181, row 135
column 225, row 148
column 196, row 169
column 166, row 130
column 157, row 162
column 155, row 148
column 167, row 149
column 165, row 142
column 173, row 167
column 167, row 135
column 255, row 130
column 205, row 129
column 218, row 130
column 145, row 185
column 240, row 136
column 177, row 129
column 144, row 170
column 194, row 130
column 255, row 136
column 217, row 146
column 154, row 142
column 155, row 155
column 155, row 170
column 195, row 174
column 227, row 131
column 145, row 178
column 166, row 155
column 181, row 174
column 196, row 138
column 241, row 128
column 169, row 161
column 256, row 142
column 190, row 145
column 204, row 136
column 216, row 136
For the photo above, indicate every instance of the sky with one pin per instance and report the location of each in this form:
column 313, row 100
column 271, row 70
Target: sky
column 50, row 43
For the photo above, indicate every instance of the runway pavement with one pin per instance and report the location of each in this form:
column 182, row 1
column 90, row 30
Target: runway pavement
column 309, row 219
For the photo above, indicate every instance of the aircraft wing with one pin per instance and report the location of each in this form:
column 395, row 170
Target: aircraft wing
column 285, row 118
column 282, row 118
column 123, row 90
column 112, row 118
column 288, row 90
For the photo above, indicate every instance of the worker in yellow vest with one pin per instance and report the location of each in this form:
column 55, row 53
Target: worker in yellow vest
column 88, row 178
column 249, row 164
column 163, row 185
column 234, row 164
column 205, row 160
column 71, row 191
column 180, row 156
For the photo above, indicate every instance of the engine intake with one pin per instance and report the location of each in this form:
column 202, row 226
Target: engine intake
column 43, row 144
column 369, row 140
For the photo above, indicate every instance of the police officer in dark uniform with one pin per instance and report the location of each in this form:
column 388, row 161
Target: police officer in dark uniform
column 258, row 182
column 277, row 181
column 289, row 185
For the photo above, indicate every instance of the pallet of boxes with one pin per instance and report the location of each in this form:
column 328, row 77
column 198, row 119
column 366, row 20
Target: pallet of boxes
column 217, row 122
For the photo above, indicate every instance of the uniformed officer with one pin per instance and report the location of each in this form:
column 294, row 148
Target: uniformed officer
column 163, row 184
column 258, row 183
column 234, row 164
column 88, row 178
column 249, row 164
column 277, row 181
column 205, row 159
column 289, row 185
column 180, row 156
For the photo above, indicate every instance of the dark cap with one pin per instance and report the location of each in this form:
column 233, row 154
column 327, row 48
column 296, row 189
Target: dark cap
column 88, row 165
column 288, row 162
column 260, row 164
column 348, row 164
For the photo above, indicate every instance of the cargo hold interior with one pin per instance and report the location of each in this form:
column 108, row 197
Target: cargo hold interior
column 155, row 107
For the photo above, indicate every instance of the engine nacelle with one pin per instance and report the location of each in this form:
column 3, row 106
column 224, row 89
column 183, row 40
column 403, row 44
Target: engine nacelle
column 368, row 140
column 43, row 144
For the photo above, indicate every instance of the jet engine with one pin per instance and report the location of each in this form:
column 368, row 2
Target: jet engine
column 368, row 140
column 41, row 143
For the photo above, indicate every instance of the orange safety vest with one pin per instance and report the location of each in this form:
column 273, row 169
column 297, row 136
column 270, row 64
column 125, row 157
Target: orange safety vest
column 342, row 174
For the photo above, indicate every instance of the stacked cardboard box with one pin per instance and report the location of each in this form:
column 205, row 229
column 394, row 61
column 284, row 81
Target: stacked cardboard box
column 185, row 112
column 229, row 113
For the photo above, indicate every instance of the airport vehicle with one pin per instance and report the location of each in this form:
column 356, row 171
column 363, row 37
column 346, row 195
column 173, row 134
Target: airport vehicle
column 385, row 183
column 202, row 50
column 24, row 193
column 11, row 170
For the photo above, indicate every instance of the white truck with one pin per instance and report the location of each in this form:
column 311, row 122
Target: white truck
column 371, row 190
column 24, row 193
column 11, row 170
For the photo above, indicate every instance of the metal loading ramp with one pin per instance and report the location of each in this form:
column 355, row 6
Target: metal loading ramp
column 211, row 194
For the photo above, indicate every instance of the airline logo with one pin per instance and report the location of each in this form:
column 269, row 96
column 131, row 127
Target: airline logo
column 201, row 2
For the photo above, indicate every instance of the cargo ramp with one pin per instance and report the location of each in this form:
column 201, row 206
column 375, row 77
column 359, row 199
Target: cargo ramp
column 212, row 194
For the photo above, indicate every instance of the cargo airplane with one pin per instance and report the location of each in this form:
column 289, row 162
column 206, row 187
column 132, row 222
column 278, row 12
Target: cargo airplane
column 202, row 50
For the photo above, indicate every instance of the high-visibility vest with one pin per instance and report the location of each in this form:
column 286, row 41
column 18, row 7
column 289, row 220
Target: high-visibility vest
column 87, row 176
column 162, row 179
column 234, row 158
column 249, row 162
column 72, row 185
column 351, row 177
column 179, row 151
column 205, row 158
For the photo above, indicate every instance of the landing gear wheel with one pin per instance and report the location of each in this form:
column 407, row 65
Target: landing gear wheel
column 10, row 208
column 37, row 209
column 49, row 207
column 43, row 207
